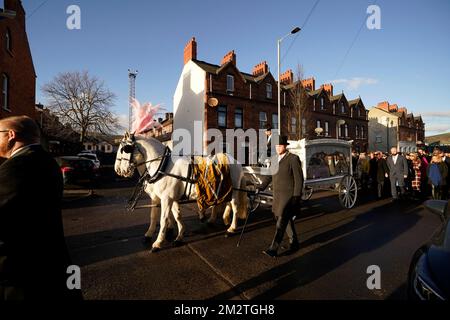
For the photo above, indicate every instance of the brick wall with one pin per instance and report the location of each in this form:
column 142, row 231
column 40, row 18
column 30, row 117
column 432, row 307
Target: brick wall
column 17, row 64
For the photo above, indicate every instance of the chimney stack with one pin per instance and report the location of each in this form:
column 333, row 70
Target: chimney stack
column 309, row 84
column 230, row 56
column 328, row 87
column 404, row 110
column 383, row 105
column 260, row 69
column 190, row 51
column 287, row 77
column 393, row 108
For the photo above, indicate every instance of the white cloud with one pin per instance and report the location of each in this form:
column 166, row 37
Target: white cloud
column 354, row 83
column 437, row 114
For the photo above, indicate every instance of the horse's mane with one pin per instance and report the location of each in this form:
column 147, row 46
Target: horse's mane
column 157, row 146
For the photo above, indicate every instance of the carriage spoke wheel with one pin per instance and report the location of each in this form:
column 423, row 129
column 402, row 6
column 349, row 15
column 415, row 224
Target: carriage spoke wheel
column 348, row 192
column 254, row 200
column 307, row 193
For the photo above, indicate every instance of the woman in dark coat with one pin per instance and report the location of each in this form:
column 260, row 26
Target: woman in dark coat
column 437, row 177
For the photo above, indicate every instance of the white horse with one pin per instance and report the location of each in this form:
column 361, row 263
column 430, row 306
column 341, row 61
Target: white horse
column 147, row 154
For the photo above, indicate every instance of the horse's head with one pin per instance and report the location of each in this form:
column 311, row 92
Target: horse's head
column 125, row 164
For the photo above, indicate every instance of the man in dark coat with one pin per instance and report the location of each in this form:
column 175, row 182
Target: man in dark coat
column 287, row 183
column 33, row 253
column 382, row 171
column 398, row 172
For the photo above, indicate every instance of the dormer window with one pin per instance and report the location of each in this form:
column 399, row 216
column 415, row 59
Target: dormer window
column 230, row 83
column 342, row 107
column 268, row 91
column 322, row 103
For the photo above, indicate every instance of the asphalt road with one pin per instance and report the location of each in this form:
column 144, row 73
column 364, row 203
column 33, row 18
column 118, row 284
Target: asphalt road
column 337, row 246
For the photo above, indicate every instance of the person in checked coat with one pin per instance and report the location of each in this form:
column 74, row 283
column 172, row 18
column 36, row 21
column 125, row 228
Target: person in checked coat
column 287, row 183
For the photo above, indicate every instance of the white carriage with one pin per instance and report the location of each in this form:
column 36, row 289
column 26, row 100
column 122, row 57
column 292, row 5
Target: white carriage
column 326, row 165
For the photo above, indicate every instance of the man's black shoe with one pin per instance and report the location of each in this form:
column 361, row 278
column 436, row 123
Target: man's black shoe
column 293, row 247
column 270, row 253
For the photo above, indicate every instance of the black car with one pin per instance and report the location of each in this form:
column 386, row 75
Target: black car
column 429, row 272
column 77, row 170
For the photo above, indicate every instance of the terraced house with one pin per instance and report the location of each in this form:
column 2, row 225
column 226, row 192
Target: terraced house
column 391, row 126
column 335, row 116
column 223, row 97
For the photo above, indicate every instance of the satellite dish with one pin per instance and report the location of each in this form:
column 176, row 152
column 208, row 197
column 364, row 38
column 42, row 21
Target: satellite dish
column 213, row 102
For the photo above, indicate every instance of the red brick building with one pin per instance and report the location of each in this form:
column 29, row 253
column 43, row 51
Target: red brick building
column 17, row 74
column 249, row 101
column 335, row 115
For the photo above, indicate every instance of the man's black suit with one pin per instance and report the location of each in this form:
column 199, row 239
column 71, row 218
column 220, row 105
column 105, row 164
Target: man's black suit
column 33, row 252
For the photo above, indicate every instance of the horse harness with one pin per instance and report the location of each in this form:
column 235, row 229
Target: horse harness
column 190, row 179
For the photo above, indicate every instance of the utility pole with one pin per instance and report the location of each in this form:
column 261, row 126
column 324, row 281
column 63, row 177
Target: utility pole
column 132, row 94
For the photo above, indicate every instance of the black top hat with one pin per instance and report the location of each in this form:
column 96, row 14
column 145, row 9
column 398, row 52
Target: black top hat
column 283, row 141
column 268, row 127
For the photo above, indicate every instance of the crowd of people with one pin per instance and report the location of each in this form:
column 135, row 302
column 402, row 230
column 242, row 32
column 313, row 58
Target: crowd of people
column 417, row 175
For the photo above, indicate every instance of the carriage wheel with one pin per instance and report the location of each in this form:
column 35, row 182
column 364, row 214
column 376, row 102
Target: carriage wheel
column 348, row 192
column 254, row 200
column 307, row 193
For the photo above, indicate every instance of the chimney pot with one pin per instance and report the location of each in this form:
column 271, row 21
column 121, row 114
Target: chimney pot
column 230, row 56
column 260, row 69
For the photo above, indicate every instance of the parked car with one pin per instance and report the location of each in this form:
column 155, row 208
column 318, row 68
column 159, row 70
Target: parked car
column 78, row 170
column 429, row 272
column 90, row 156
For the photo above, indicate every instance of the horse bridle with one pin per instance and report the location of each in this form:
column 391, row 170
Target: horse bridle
column 129, row 148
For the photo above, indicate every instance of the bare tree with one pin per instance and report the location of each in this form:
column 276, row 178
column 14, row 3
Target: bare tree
column 297, row 107
column 83, row 102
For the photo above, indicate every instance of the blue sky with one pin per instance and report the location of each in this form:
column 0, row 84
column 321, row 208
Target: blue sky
column 406, row 62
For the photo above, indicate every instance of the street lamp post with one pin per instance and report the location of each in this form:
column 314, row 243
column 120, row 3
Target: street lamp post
column 293, row 31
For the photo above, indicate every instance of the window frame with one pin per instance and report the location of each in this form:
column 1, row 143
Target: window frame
column 318, row 124
column 5, row 85
column 269, row 91
column 220, row 111
column 8, row 40
column 262, row 123
column 239, row 111
column 275, row 117
column 293, row 124
column 230, row 83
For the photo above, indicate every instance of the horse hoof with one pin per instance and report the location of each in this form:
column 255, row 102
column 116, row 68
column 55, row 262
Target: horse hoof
column 229, row 234
column 146, row 240
column 155, row 249
column 178, row 243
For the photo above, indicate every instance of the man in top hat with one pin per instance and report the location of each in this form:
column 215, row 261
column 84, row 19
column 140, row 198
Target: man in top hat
column 287, row 183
